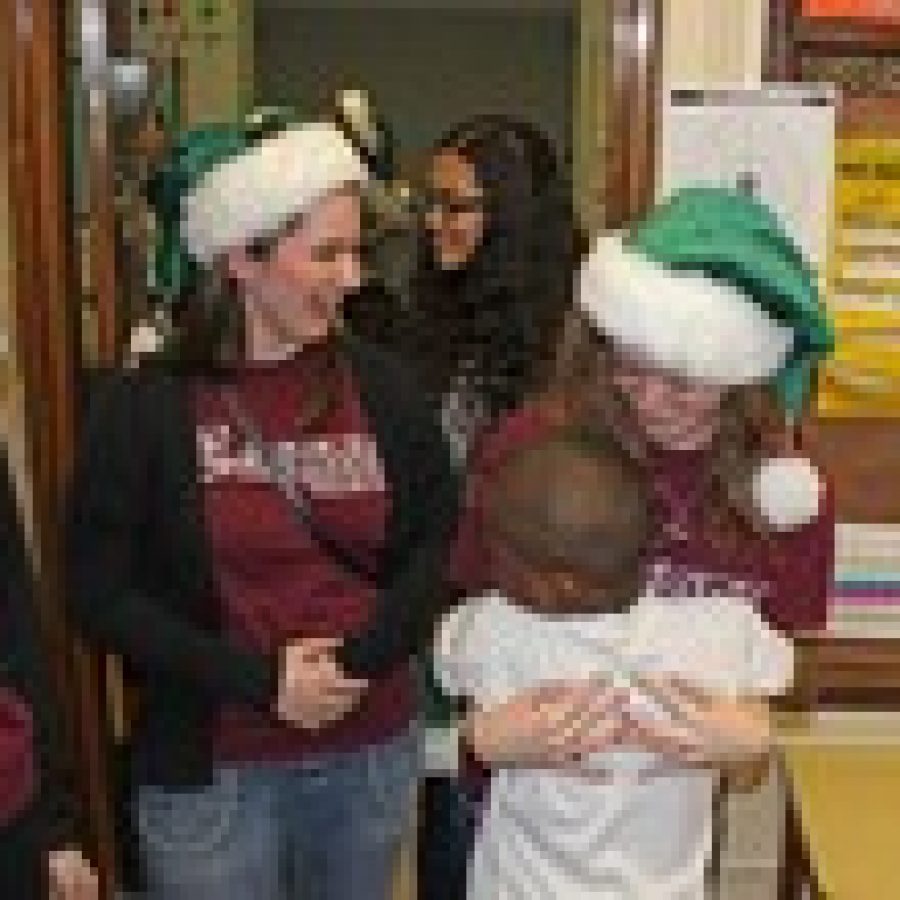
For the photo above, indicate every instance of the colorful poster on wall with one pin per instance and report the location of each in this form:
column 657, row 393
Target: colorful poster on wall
column 865, row 10
column 864, row 269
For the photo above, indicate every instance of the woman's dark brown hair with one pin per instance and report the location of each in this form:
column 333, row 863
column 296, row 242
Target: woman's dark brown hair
column 499, row 317
column 208, row 320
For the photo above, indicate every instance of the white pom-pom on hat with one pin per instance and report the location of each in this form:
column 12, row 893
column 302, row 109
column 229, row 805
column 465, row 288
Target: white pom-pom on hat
column 787, row 492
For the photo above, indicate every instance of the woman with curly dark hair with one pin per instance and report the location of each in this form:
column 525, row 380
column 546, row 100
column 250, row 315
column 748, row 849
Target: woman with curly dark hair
column 494, row 274
column 490, row 293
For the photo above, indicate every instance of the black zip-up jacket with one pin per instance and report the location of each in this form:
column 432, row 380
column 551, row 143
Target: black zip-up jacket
column 49, row 821
column 141, row 567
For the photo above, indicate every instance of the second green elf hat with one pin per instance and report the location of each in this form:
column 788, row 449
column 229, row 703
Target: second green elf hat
column 710, row 285
column 223, row 185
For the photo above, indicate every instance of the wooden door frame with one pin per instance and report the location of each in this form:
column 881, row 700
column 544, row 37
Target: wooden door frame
column 634, row 92
column 33, row 38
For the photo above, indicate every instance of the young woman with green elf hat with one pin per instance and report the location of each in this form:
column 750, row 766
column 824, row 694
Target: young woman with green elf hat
column 257, row 532
column 702, row 332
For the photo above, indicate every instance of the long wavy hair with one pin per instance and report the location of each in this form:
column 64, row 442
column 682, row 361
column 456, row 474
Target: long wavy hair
column 498, row 319
column 751, row 425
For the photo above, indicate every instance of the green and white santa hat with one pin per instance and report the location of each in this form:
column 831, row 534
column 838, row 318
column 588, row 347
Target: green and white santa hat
column 224, row 184
column 709, row 285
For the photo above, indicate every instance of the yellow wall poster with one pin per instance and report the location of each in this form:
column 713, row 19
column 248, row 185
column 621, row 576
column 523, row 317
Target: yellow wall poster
column 863, row 279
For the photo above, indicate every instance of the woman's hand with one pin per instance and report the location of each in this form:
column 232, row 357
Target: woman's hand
column 710, row 730
column 71, row 876
column 313, row 692
column 553, row 725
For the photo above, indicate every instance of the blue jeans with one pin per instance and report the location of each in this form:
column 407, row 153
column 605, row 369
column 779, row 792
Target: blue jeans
column 326, row 829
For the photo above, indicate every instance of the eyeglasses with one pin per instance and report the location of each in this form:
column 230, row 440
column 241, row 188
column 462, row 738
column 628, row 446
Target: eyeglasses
column 449, row 205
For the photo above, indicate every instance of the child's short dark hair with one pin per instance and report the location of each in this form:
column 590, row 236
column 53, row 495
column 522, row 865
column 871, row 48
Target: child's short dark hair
column 573, row 474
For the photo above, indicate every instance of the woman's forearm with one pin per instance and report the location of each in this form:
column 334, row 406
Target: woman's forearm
column 739, row 731
column 479, row 738
column 553, row 725
column 713, row 732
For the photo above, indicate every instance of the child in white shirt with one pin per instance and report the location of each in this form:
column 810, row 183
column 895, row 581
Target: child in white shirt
column 567, row 525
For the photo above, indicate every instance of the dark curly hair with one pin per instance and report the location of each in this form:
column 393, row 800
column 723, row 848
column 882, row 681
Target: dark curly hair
column 499, row 317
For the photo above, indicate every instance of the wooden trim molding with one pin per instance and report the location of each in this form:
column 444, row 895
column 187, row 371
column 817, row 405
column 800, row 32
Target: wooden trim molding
column 33, row 40
column 843, row 671
column 780, row 58
column 98, row 138
column 847, row 35
column 790, row 33
column 31, row 36
column 634, row 84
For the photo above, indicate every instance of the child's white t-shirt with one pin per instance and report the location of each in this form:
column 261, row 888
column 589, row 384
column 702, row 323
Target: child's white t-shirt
column 559, row 835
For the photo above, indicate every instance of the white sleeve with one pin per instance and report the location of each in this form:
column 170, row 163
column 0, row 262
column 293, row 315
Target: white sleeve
column 719, row 641
column 457, row 652
column 766, row 667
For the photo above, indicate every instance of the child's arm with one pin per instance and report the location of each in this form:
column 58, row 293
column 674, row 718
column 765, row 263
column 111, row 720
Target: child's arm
column 457, row 653
column 719, row 717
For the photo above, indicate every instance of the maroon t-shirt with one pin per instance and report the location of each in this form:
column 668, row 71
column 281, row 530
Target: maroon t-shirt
column 788, row 573
column 276, row 583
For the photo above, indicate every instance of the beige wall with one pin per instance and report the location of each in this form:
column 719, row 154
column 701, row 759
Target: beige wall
column 709, row 41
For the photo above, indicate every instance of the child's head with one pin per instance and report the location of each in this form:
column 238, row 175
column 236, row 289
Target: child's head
column 568, row 523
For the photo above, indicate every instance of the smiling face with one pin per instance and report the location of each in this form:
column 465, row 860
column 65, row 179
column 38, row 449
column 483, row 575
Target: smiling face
column 675, row 412
column 454, row 215
column 294, row 286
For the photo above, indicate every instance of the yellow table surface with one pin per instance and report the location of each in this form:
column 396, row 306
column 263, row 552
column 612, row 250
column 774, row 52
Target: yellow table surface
column 846, row 782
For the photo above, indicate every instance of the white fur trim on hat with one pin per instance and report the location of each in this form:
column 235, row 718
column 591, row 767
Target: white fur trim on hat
column 787, row 492
column 259, row 190
column 682, row 322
